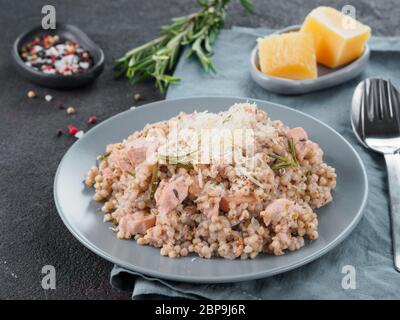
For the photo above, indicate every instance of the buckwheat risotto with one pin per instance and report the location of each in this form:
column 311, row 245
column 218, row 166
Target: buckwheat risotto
column 233, row 184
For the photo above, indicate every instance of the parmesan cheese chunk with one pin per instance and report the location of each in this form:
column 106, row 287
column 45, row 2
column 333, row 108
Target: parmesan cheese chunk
column 338, row 38
column 289, row 55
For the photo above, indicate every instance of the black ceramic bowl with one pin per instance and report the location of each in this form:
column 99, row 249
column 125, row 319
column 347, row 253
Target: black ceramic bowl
column 67, row 32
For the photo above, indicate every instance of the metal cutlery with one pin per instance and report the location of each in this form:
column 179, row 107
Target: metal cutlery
column 375, row 118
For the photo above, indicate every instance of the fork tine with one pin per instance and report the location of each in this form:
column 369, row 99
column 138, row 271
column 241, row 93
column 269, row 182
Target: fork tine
column 364, row 103
column 374, row 100
column 383, row 105
column 368, row 101
column 391, row 99
column 395, row 102
column 394, row 105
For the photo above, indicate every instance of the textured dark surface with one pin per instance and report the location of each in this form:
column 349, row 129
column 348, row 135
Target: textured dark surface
column 31, row 233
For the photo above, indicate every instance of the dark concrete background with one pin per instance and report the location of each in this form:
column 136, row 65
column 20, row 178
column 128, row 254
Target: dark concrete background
column 31, row 233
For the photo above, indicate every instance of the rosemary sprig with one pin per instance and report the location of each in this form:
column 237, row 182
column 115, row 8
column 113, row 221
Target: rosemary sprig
column 158, row 57
column 285, row 162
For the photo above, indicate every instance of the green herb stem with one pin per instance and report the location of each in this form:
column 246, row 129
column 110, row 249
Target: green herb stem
column 154, row 181
column 157, row 58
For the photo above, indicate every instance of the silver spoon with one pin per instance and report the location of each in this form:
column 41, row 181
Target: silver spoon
column 375, row 117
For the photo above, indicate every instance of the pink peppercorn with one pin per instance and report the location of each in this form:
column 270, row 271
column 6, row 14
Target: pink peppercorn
column 72, row 130
column 92, row 120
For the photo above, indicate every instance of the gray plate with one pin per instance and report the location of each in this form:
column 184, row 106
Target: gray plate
column 326, row 77
column 83, row 218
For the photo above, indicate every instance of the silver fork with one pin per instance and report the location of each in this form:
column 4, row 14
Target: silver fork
column 376, row 122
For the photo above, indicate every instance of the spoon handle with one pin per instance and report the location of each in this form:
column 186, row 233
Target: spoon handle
column 393, row 169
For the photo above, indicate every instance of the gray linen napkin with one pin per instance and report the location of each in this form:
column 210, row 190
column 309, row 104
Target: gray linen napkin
column 368, row 248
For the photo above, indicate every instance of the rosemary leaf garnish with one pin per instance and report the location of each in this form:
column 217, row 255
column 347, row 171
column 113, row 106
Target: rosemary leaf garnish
column 176, row 193
column 154, row 181
column 176, row 159
column 293, row 151
column 103, row 156
column 187, row 166
column 281, row 162
column 285, row 162
column 281, row 165
column 277, row 156
column 158, row 57
column 227, row 119
column 179, row 161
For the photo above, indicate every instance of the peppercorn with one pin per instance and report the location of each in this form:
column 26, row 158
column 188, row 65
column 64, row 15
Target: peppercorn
column 31, row 94
column 59, row 133
column 79, row 134
column 92, row 120
column 71, row 110
column 61, row 106
column 52, row 56
column 72, row 130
